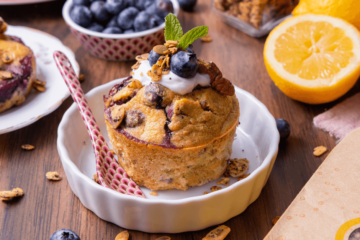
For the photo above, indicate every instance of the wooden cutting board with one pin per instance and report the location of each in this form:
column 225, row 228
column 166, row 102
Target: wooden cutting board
column 328, row 207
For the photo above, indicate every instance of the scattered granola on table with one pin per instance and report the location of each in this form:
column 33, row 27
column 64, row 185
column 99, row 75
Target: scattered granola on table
column 124, row 235
column 8, row 195
column 153, row 193
column 218, row 233
column 163, row 238
column 318, row 151
column 274, row 221
column 205, row 193
column 27, row 147
column 207, row 38
column 81, row 77
column 53, row 176
column 256, row 12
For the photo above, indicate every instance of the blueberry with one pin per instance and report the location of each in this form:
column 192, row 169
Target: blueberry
column 153, row 94
column 151, row 9
column 81, row 2
column 64, row 234
column 148, row 3
column 99, row 11
column 184, row 64
column 153, row 57
column 130, row 3
column 96, row 0
column 129, row 31
column 157, row 20
column 169, row 110
column 140, row 4
column 95, row 27
column 143, row 21
column 126, row 17
column 152, row 22
column 134, row 118
column 115, row 6
column 112, row 22
column 163, row 7
column 187, row 5
column 190, row 48
column 284, row 128
column 112, row 30
column 81, row 15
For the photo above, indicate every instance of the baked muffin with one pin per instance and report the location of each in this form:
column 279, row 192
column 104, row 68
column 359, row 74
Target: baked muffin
column 17, row 69
column 172, row 123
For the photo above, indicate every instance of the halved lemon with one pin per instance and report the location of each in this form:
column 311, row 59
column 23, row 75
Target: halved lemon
column 313, row 58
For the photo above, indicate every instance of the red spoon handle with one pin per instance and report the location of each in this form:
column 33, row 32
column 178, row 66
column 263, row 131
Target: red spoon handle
column 110, row 174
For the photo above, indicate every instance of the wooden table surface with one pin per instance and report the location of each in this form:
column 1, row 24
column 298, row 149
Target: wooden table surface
column 49, row 206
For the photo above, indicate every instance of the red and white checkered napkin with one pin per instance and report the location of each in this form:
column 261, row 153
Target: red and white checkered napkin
column 341, row 119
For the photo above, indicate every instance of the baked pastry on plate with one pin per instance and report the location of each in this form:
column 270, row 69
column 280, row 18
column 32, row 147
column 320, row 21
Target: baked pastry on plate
column 172, row 123
column 17, row 69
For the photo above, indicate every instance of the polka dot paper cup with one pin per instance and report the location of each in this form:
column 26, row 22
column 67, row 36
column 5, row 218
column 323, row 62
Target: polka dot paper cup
column 116, row 47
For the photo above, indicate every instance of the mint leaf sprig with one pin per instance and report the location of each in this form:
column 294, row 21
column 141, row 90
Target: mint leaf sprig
column 173, row 31
column 192, row 35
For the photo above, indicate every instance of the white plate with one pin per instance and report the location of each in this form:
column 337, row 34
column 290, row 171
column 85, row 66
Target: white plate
column 20, row 2
column 172, row 210
column 39, row 104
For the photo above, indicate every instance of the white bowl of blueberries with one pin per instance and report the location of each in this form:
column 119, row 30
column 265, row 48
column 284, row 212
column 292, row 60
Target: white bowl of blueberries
column 118, row 30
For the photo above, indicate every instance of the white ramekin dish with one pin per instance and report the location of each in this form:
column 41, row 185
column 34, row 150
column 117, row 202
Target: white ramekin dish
column 116, row 47
column 172, row 211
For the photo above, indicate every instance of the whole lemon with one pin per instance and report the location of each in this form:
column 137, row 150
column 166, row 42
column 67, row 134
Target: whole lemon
column 349, row 10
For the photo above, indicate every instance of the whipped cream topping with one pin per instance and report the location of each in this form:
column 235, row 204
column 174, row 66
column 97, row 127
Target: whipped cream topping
column 172, row 81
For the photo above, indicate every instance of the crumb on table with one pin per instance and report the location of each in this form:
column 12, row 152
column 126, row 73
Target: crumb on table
column 318, row 151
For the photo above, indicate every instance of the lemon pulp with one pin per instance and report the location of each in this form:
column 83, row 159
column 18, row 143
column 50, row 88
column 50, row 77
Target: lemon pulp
column 322, row 50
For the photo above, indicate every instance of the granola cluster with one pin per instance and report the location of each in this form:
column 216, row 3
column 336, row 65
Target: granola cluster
column 162, row 67
column 8, row 195
column 320, row 150
column 54, row 176
column 256, row 12
column 218, row 233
